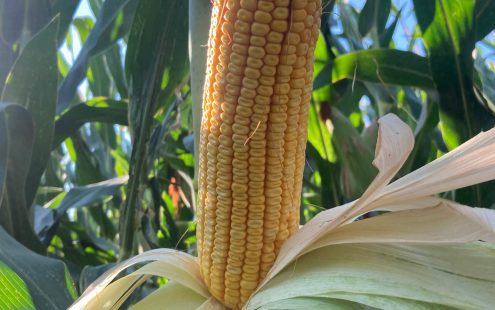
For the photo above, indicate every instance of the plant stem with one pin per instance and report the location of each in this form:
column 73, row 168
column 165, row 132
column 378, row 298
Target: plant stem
column 136, row 175
column 139, row 156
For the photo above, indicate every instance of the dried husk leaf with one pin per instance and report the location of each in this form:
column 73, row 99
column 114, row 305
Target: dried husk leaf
column 178, row 266
column 446, row 222
column 115, row 294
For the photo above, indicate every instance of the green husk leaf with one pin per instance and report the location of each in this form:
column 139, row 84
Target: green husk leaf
column 318, row 303
column 400, row 275
column 175, row 296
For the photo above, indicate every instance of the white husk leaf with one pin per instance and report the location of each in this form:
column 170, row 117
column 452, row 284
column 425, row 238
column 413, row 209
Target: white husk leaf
column 177, row 266
column 445, row 222
column 115, row 294
column 418, row 256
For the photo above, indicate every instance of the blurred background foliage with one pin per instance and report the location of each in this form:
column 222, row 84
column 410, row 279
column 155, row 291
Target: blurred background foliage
column 96, row 139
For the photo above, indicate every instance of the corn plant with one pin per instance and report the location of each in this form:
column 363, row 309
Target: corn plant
column 304, row 153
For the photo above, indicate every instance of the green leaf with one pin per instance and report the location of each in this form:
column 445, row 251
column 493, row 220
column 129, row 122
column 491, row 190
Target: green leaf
column 318, row 134
column 383, row 66
column 114, row 61
column 449, row 29
column 46, row 278
column 83, row 26
column 349, row 18
column 168, row 40
column 32, row 83
column 112, row 23
column 100, row 109
column 8, row 58
column 448, row 32
column 374, row 16
column 66, row 9
column 99, row 77
column 76, row 198
column 168, row 222
column 87, row 168
column 323, row 77
column 355, row 154
column 95, row 6
column 37, row 15
column 386, row 36
column 322, row 72
column 16, row 139
column 14, row 293
column 347, row 95
column 486, row 86
column 425, row 137
column 484, row 12
column 11, row 28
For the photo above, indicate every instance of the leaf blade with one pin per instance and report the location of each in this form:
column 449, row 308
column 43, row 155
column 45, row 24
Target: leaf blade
column 99, row 109
column 384, row 66
column 37, row 271
column 16, row 138
column 32, row 83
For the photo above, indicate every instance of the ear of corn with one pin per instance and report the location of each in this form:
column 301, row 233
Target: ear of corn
column 253, row 138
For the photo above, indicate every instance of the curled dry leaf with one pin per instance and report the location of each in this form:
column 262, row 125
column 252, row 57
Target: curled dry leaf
column 180, row 267
column 417, row 229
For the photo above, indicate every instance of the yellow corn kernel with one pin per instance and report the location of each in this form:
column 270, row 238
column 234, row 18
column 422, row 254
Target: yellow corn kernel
column 253, row 138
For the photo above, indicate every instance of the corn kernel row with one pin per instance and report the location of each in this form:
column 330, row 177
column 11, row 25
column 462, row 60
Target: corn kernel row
column 253, row 138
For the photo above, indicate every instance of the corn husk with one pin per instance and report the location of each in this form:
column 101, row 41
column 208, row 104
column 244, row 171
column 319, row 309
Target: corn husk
column 424, row 253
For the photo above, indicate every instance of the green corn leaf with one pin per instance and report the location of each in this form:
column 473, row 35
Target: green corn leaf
column 113, row 23
column 449, row 31
column 46, row 278
column 11, row 28
column 32, row 83
column 16, row 139
column 374, row 16
column 14, row 293
column 355, row 154
column 76, row 198
column 383, row 66
column 484, row 13
column 101, row 109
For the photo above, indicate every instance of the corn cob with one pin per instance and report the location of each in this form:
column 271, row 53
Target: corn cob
column 253, row 138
